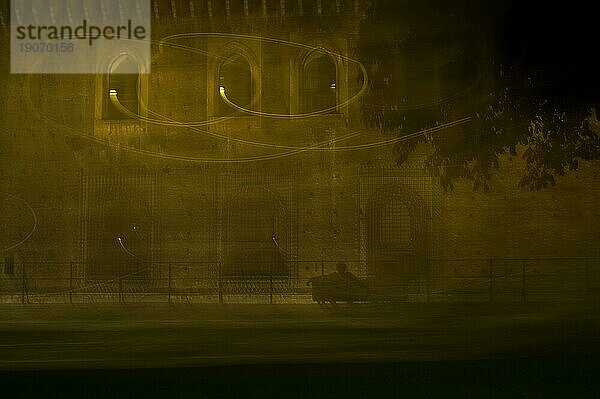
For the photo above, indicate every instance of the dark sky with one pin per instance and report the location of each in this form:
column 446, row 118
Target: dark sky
column 553, row 42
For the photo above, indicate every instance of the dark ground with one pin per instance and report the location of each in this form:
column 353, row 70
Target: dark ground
column 414, row 350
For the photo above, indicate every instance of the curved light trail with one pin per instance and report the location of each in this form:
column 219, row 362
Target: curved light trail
column 33, row 228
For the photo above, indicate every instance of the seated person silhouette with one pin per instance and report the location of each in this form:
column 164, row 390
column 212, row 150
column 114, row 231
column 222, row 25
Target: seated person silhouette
column 342, row 275
column 340, row 285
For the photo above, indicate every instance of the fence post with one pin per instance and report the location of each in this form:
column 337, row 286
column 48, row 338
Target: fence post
column 169, row 283
column 271, row 285
column 523, row 286
column 23, row 288
column 121, row 299
column 588, row 289
column 491, row 273
column 428, row 281
column 220, row 283
column 297, row 282
column 71, row 284
column 322, row 267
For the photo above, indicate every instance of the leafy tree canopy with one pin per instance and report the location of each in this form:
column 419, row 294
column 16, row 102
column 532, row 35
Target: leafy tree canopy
column 523, row 72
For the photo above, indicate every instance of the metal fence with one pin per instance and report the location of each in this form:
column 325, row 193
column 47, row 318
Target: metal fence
column 475, row 280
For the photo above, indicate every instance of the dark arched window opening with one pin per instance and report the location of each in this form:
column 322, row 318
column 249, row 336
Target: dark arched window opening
column 126, row 86
column 236, row 77
column 319, row 90
column 254, row 238
column 118, row 229
column 396, row 244
column 395, row 225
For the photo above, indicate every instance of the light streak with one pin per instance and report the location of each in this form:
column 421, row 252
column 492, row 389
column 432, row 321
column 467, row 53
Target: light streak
column 293, row 150
column 318, row 147
column 127, row 251
column 274, row 238
column 35, row 222
column 342, row 57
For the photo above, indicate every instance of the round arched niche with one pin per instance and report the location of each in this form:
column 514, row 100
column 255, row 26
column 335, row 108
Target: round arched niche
column 119, row 233
column 398, row 233
column 255, row 238
column 234, row 54
column 126, row 84
column 123, row 70
column 235, row 75
column 328, row 52
column 318, row 82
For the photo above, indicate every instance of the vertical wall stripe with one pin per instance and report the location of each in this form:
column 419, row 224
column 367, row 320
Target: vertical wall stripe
column 173, row 9
column 192, row 10
column 156, row 14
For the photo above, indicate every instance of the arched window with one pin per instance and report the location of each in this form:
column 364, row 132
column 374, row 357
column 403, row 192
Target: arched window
column 397, row 233
column 394, row 225
column 254, row 236
column 118, row 233
column 126, row 84
column 319, row 85
column 235, row 76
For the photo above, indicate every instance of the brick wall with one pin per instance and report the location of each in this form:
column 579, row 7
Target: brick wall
column 53, row 137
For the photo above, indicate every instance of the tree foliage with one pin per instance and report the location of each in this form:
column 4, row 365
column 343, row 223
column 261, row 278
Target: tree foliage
column 432, row 62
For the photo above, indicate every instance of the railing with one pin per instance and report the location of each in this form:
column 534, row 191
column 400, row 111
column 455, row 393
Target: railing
column 441, row 280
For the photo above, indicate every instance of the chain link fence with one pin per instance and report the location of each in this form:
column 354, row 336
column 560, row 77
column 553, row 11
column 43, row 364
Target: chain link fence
column 458, row 280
